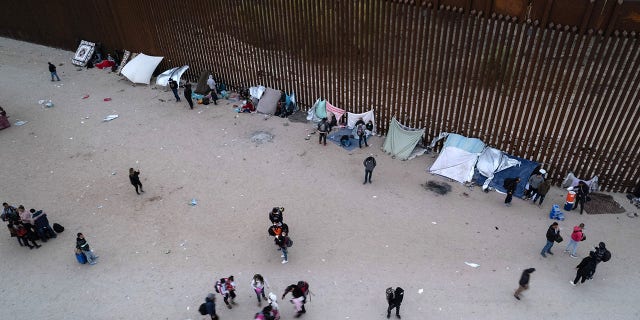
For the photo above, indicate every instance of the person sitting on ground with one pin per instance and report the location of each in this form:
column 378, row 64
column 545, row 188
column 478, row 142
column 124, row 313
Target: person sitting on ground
column 369, row 128
column 248, row 107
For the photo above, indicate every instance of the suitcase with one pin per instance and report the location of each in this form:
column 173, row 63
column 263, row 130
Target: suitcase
column 82, row 259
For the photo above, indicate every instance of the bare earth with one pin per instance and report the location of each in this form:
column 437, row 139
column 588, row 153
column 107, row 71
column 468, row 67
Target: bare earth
column 159, row 256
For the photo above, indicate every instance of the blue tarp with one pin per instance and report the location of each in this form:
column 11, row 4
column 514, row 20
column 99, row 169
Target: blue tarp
column 523, row 171
column 336, row 135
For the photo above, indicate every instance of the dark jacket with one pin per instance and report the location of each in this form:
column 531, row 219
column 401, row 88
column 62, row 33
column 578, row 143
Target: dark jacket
column 187, row 90
column 173, row 84
column 295, row 291
column 369, row 163
column 544, row 187
column 582, row 190
column 211, row 306
column 82, row 244
column 510, row 184
column 275, row 216
column 52, row 68
column 134, row 178
column 552, row 234
column 323, row 125
column 369, row 126
column 587, row 267
column 524, row 279
column 280, row 241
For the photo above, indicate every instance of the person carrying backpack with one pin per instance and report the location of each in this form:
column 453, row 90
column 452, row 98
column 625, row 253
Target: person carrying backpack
column 602, row 254
column 298, row 293
column 394, row 299
column 323, row 130
column 586, row 269
column 362, row 135
column 227, row 288
column 209, row 307
column 258, row 283
column 576, row 236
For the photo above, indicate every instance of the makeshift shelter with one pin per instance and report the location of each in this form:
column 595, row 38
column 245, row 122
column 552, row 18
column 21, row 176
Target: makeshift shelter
column 352, row 118
column 490, row 162
column 523, row 171
column 257, row 92
column 268, row 103
column 458, row 158
column 317, row 111
column 140, row 69
column 402, row 140
column 84, row 53
column 175, row 74
column 571, row 181
column 337, row 112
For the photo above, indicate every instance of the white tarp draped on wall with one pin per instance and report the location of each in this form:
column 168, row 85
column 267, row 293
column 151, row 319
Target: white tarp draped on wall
column 175, row 74
column 140, row 69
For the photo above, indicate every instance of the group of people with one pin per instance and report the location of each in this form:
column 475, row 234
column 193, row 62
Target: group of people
column 28, row 226
column 585, row 269
column 280, row 232
column 362, row 131
column 211, row 93
column 536, row 189
column 226, row 287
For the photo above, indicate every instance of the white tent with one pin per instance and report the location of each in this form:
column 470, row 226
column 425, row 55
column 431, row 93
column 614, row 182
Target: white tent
column 455, row 163
column 352, row 118
column 175, row 74
column 140, row 69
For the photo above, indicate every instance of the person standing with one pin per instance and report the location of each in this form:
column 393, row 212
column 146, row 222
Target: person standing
column 273, row 302
column 576, row 236
column 394, row 300
column 187, row 94
column 174, row 87
column 510, row 184
column 83, row 245
column 227, row 288
column 534, row 182
column 582, row 191
column 9, row 213
column 524, row 282
column 212, row 89
column 369, row 164
column 258, row 283
column 53, row 71
column 210, row 306
column 543, row 189
column 134, row 178
column 281, row 241
column 362, row 135
column 275, row 216
column 552, row 235
column 298, row 298
column 586, row 269
column 323, row 129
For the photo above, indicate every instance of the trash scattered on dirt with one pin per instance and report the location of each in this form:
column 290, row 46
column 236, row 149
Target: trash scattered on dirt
column 193, row 202
column 260, row 137
column 85, row 96
column 107, row 99
column 471, row 264
column 110, row 117
column 20, row 123
column 441, row 188
column 420, row 291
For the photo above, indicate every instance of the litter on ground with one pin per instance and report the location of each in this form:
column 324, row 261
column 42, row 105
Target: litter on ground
column 110, row 117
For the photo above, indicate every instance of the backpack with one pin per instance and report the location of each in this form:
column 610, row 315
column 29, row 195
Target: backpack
column 360, row 130
column 322, row 127
column 606, row 256
column 203, row 309
column 398, row 295
column 389, row 293
column 58, row 228
column 304, row 287
column 288, row 242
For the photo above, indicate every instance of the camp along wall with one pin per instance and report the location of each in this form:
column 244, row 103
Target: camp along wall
column 555, row 81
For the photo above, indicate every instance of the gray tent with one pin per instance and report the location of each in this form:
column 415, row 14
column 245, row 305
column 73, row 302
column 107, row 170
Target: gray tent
column 401, row 140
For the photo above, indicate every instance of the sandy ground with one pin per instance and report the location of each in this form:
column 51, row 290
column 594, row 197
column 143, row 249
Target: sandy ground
column 351, row 241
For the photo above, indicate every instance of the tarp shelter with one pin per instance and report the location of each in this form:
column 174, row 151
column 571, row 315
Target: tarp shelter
column 492, row 160
column 140, row 69
column 401, row 140
column 337, row 112
column 84, row 53
column 522, row 171
column 268, row 103
column 458, row 157
column 352, row 118
column 175, row 74
column 317, row 111
column 571, row 181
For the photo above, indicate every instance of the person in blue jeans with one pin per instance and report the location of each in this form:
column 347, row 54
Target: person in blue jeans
column 281, row 242
column 552, row 234
column 53, row 71
column 83, row 245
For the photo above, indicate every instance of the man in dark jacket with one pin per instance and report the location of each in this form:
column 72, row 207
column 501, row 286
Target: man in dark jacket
column 323, row 130
column 524, row 282
column 83, row 245
column 369, row 163
column 174, row 87
column 552, row 234
column 582, row 191
column 53, row 71
column 510, row 184
column 394, row 300
column 187, row 94
column 543, row 189
column 586, row 269
column 298, row 299
column 210, row 304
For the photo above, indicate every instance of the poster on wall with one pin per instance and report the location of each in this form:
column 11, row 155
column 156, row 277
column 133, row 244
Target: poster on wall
column 84, row 53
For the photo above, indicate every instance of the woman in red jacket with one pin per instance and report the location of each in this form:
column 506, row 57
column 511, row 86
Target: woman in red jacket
column 576, row 237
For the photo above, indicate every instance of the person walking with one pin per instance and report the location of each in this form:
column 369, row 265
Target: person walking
column 298, row 298
column 394, row 300
column 543, row 189
column 210, row 306
column 576, row 236
column 281, row 241
column 83, row 245
column 258, row 283
column 134, row 178
column 582, row 192
column 524, row 282
column 552, row 235
column 187, row 94
column 275, row 216
column 174, row 87
column 227, row 288
column 585, row 269
column 53, row 71
column 510, row 184
column 273, row 302
column 323, row 130
column 369, row 164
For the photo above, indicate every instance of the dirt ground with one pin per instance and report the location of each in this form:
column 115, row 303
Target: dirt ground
column 159, row 256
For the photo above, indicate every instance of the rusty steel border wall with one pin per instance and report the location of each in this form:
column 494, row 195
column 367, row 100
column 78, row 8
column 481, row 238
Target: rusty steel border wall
column 555, row 81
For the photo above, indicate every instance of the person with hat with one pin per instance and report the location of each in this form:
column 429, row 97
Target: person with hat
column 210, row 306
column 534, row 182
column 543, row 189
